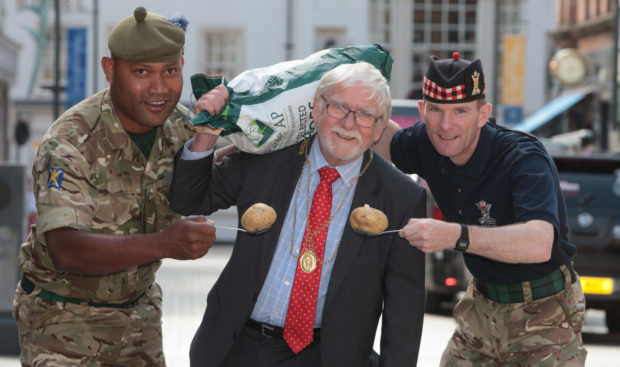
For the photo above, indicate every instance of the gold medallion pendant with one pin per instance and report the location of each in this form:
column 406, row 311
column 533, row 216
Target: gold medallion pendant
column 307, row 262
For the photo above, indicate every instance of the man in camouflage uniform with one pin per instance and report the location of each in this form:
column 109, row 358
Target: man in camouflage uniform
column 88, row 296
column 499, row 193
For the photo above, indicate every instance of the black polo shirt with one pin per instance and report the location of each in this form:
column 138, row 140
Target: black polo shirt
column 509, row 179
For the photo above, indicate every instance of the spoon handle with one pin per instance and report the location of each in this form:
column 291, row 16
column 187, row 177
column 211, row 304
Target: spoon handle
column 233, row 228
column 390, row 231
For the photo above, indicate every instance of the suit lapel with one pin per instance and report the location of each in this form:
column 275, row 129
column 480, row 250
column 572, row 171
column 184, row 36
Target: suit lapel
column 351, row 242
column 281, row 196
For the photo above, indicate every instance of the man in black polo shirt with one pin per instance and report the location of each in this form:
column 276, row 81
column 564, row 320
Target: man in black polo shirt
column 499, row 193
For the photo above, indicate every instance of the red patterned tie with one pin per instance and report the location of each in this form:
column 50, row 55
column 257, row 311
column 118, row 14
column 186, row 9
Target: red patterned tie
column 299, row 324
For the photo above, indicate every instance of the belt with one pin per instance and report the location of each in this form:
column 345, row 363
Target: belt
column 539, row 288
column 275, row 332
column 28, row 287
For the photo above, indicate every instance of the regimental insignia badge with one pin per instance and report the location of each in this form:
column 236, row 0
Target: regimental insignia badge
column 55, row 177
column 475, row 77
column 485, row 209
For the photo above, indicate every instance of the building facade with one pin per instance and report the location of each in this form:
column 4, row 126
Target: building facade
column 223, row 37
column 588, row 27
column 8, row 70
column 228, row 37
column 509, row 36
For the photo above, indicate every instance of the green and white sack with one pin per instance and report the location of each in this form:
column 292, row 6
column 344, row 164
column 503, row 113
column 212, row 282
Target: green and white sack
column 270, row 108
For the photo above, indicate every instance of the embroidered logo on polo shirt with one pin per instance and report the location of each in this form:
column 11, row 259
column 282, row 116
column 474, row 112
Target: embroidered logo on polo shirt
column 55, row 177
column 485, row 210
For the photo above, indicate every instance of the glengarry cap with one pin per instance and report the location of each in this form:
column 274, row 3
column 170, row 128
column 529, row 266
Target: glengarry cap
column 453, row 80
column 148, row 37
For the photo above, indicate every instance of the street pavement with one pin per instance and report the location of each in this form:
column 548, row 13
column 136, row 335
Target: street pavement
column 186, row 283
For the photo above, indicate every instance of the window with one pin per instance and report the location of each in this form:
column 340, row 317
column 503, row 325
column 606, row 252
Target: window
column 438, row 27
column 223, row 52
column 46, row 74
column 380, row 15
column 329, row 38
column 510, row 16
column 441, row 27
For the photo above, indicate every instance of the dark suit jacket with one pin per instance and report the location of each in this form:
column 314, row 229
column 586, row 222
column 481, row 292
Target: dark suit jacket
column 371, row 277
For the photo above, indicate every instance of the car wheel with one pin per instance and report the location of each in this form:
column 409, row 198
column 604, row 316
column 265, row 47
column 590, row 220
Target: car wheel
column 612, row 317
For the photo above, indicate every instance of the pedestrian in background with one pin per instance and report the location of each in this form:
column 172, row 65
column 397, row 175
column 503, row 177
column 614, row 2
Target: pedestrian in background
column 310, row 291
column 499, row 193
column 88, row 295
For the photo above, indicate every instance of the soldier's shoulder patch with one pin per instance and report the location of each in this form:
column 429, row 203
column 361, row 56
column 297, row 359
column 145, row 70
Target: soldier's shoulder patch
column 55, row 177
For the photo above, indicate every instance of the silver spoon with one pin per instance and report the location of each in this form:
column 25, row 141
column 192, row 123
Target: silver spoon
column 243, row 230
column 364, row 233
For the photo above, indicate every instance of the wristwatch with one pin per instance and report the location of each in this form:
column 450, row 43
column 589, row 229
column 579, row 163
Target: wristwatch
column 463, row 242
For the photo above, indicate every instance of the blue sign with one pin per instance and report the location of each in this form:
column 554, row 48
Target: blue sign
column 76, row 66
column 512, row 114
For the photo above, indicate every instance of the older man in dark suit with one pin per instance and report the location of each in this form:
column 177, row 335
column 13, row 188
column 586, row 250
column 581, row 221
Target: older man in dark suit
column 310, row 291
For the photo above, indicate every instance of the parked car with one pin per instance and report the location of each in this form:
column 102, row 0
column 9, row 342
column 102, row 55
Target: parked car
column 405, row 112
column 446, row 274
column 591, row 187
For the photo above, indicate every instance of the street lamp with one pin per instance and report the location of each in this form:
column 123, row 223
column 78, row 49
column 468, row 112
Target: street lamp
column 614, row 79
column 57, row 60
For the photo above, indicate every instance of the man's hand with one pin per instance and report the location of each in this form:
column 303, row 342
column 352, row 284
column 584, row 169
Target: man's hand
column 224, row 151
column 213, row 103
column 82, row 252
column 528, row 242
column 189, row 238
column 431, row 235
column 382, row 146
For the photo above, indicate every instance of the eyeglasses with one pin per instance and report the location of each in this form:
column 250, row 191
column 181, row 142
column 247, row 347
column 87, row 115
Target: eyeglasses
column 340, row 112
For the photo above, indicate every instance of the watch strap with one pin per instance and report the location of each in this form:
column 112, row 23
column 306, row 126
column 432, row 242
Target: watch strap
column 463, row 242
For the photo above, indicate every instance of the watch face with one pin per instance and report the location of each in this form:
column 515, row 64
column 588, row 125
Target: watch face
column 569, row 67
column 462, row 245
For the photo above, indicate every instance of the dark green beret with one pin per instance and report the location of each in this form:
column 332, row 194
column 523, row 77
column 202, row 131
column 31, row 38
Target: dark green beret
column 146, row 37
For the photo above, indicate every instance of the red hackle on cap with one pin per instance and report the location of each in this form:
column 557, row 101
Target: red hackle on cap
column 455, row 56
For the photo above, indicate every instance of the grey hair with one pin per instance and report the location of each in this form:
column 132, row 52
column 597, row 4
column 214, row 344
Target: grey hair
column 360, row 74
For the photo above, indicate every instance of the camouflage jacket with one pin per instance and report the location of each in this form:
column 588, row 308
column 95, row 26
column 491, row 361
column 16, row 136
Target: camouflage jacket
column 89, row 175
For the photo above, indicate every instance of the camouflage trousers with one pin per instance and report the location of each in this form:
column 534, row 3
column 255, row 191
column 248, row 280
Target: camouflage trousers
column 541, row 332
column 67, row 334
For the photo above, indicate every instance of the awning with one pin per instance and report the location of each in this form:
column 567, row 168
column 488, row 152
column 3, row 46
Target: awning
column 549, row 111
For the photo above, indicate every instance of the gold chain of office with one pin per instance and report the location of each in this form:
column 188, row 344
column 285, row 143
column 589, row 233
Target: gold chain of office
column 308, row 260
